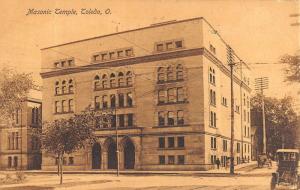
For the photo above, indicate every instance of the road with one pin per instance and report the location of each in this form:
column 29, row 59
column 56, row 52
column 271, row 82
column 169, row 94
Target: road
column 257, row 179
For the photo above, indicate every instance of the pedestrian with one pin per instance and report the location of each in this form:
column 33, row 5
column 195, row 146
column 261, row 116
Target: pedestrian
column 218, row 163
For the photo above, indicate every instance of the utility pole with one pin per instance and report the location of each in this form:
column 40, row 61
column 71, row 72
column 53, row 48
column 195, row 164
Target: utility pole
column 261, row 84
column 231, row 64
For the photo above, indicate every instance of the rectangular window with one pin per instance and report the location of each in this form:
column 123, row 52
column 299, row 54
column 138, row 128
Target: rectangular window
column 171, row 159
column 161, row 142
column 225, row 145
column 178, row 44
column 129, row 99
column 159, row 47
column 97, row 102
column 171, row 143
column 180, row 159
column 121, row 120
column 180, row 95
column 95, row 57
column 213, row 142
column 121, row 100
column 180, row 117
column 238, row 149
column 112, row 55
column 162, row 159
column 180, row 142
column 161, row 96
column 171, row 95
column 64, row 106
column 57, row 107
column 71, row 160
column 130, row 120
column 171, row 118
column 71, row 105
column 120, row 54
column 169, row 45
column 161, row 118
column 129, row 52
column 104, row 56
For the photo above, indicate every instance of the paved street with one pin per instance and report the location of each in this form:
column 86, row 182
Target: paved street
column 258, row 179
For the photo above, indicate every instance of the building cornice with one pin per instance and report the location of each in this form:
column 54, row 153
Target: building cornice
column 145, row 59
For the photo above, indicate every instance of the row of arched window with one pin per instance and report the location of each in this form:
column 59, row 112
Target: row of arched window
column 113, row 80
column 171, row 73
column 64, row 87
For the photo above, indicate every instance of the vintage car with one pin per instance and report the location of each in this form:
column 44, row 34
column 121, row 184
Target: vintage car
column 287, row 169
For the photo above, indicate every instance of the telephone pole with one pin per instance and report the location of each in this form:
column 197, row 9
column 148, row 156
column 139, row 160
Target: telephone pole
column 231, row 64
column 261, row 84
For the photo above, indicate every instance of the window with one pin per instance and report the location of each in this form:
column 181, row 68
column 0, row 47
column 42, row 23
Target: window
column 179, row 72
column 57, row 107
column 104, row 81
column 180, row 159
column 248, row 117
column 96, row 82
column 71, row 86
column 71, row 105
column 15, row 161
column 57, row 89
column 130, row 120
column 159, row 47
column 212, row 78
column 213, row 142
column 112, row 55
column 63, row 64
column 121, row 82
column 104, row 102
column 71, row 160
column 9, row 162
column 95, row 57
column 64, row 87
column 180, row 94
column 121, row 100
column 97, row 102
column 120, row 54
column 178, row 44
column 213, row 159
column 128, row 52
column 170, row 73
column 161, row 96
column 129, row 99
column 212, row 95
column 245, row 115
column 213, row 119
column 112, row 101
column 224, row 101
column 171, row 159
column 64, row 106
column 162, row 159
column 171, row 118
column 161, row 142
column 121, row 120
column 113, row 121
column 171, row 142
column 161, row 74
column 169, row 45
column 104, row 56
column 180, row 117
column 171, row 95
column 225, row 145
column 180, row 142
column 212, row 49
column 128, row 79
column 161, row 118
column 17, row 140
column 112, row 81
column 238, row 147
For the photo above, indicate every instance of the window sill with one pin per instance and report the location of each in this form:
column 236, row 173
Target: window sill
column 173, row 148
column 172, row 103
column 168, row 50
column 169, row 126
column 111, row 60
column 118, row 87
column 170, row 81
column 70, row 93
column 213, row 127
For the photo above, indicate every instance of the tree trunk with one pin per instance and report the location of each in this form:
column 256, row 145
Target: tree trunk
column 61, row 168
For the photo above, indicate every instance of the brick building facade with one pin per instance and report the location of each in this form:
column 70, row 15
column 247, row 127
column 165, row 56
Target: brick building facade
column 18, row 149
column 169, row 88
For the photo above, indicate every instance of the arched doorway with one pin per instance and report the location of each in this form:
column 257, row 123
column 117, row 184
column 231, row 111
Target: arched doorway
column 112, row 156
column 129, row 154
column 96, row 156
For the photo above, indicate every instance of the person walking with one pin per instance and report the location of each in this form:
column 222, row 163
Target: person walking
column 218, row 163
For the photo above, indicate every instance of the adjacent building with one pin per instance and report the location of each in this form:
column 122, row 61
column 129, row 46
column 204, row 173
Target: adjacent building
column 18, row 148
column 167, row 87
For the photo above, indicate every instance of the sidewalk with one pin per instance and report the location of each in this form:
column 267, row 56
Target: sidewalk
column 239, row 169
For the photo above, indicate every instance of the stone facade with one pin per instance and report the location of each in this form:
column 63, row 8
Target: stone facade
column 168, row 85
column 18, row 149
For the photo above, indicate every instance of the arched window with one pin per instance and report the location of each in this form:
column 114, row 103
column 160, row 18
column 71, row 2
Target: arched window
column 112, row 80
column 64, row 87
column 179, row 72
column 97, row 82
column 161, row 74
column 71, row 86
column 121, row 79
column 170, row 73
column 180, row 117
column 170, row 118
column 57, row 89
column 129, row 99
column 112, row 101
column 64, row 106
column 128, row 78
column 104, row 81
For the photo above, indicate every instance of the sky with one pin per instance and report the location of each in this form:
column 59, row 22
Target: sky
column 260, row 31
